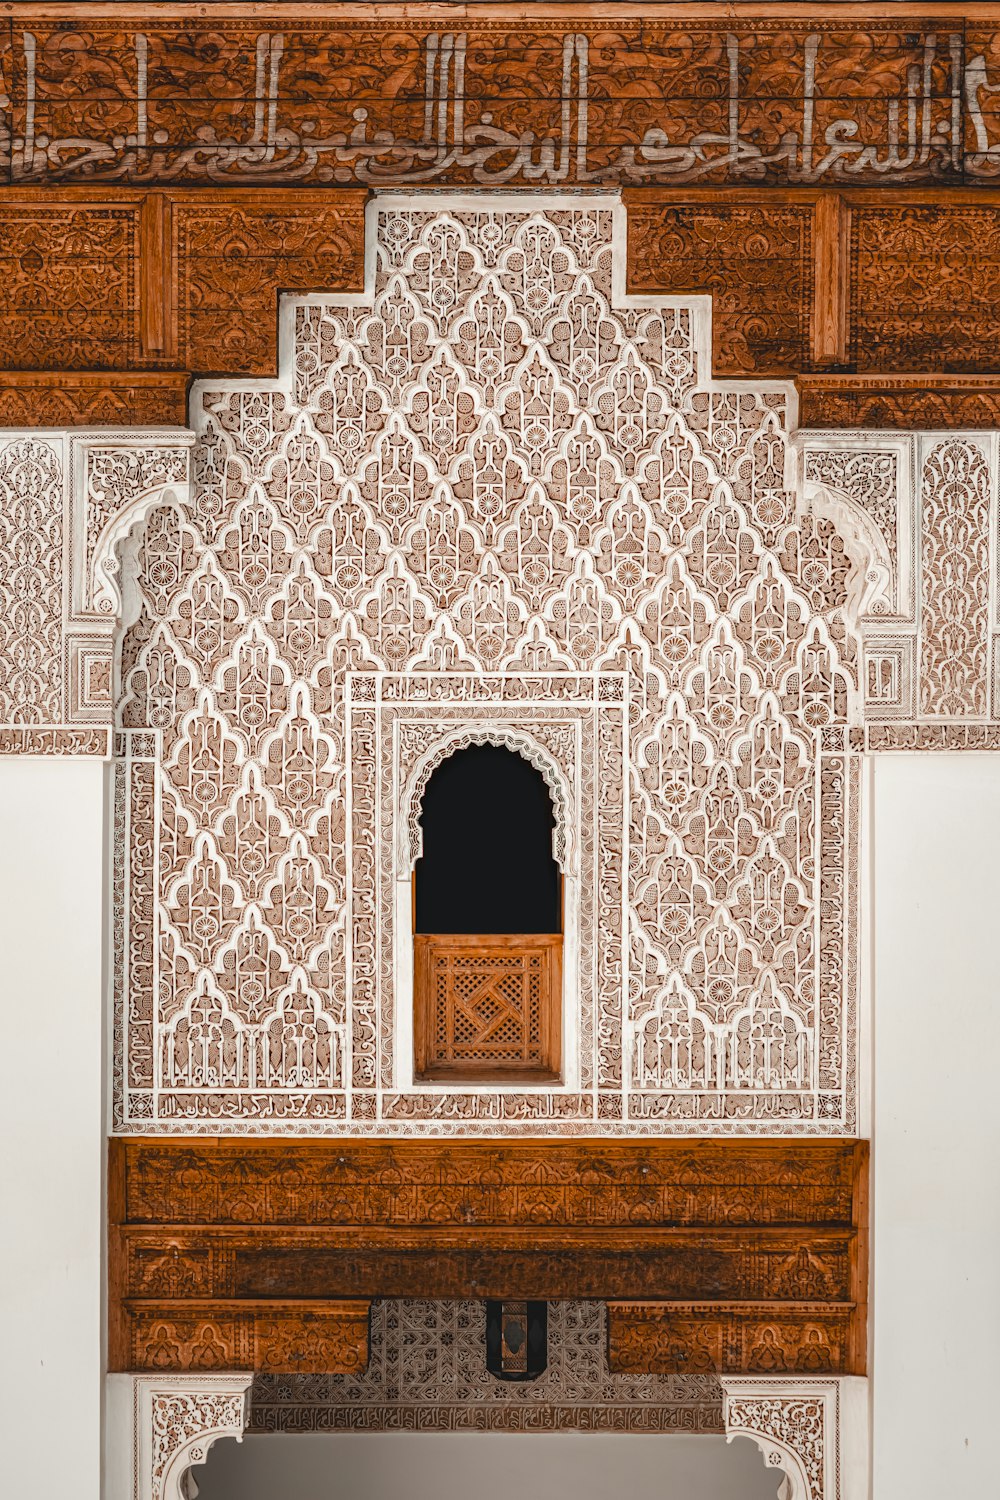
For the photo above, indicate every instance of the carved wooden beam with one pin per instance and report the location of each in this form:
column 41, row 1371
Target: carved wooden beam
column 218, row 1247
column 191, row 1333
column 114, row 298
column 734, row 1338
column 907, row 401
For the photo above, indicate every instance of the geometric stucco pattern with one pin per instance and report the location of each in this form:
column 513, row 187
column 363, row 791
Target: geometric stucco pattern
column 925, row 504
column 494, row 475
column 426, row 1373
column 66, row 501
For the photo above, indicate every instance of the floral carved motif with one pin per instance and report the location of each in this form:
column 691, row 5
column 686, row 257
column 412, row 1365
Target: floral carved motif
column 895, row 254
column 65, row 504
column 757, row 260
column 954, row 656
column 815, row 1430
column 31, row 585
column 494, row 472
column 733, row 98
column 175, row 1422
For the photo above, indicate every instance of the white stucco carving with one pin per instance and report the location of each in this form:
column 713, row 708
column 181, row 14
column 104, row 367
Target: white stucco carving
column 159, row 1427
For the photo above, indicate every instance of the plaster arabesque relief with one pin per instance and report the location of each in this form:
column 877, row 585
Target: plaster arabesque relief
column 426, row 1373
column 492, row 496
column 500, row 493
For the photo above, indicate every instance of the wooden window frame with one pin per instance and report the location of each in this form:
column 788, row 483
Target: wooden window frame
column 428, row 1067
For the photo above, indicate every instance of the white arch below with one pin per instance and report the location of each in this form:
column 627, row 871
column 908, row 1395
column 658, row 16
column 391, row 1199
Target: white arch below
column 815, row 1431
column 160, row 1426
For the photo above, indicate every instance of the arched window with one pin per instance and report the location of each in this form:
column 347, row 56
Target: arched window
column 487, row 922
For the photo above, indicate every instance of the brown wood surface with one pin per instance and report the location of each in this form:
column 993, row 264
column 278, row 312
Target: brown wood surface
column 729, row 1250
column 884, row 304
column 431, row 1060
column 300, row 1338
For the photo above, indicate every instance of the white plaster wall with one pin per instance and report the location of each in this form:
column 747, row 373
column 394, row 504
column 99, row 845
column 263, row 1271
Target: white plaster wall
column 487, row 1466
column 52, row 1126
column 936, row 1151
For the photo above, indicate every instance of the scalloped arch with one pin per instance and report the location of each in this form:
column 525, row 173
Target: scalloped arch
column 522, row 744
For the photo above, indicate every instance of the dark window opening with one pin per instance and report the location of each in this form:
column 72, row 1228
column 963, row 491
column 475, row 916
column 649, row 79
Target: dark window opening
column 487, row 864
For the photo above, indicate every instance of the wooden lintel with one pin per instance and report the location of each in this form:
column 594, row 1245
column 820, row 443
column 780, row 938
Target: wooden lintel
column 758, row 1237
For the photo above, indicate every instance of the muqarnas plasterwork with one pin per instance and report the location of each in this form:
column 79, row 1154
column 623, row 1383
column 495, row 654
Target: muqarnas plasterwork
column 427, row 1373
column 493, row 469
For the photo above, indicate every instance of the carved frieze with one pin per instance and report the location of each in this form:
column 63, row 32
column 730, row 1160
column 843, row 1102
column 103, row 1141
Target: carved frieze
column 733, row 1338
column 427, row 1374
column 269, row 1335
column 720, row 1255
column 642, row 100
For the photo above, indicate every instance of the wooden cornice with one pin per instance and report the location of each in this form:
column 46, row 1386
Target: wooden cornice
column 882, row 305
column 828, row 175
column 731, row 1255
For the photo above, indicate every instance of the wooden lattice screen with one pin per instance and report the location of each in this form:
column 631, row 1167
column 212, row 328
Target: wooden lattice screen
column 487, row 1007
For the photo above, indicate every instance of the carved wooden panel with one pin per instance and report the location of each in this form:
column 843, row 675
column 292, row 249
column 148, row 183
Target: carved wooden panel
column 563, row 98
column 111, row 300
column 906, row 402
column 234, row 253
column 135, row 282
column 487, row 1007
column 756, row 261
column 490, row 498
column 88, row 398
column 735, row 1338
column 269, row 1336
column 162, row 178
column 925, row 289
column 207, row 1229
column 627, row 1262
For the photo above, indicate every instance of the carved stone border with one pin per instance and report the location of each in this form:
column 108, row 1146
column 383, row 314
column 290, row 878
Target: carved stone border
column 55, row 740
column 816, row 1431
column 159, row 1427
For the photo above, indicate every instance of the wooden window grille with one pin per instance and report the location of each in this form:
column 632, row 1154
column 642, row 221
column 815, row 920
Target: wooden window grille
column 488, row 1007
